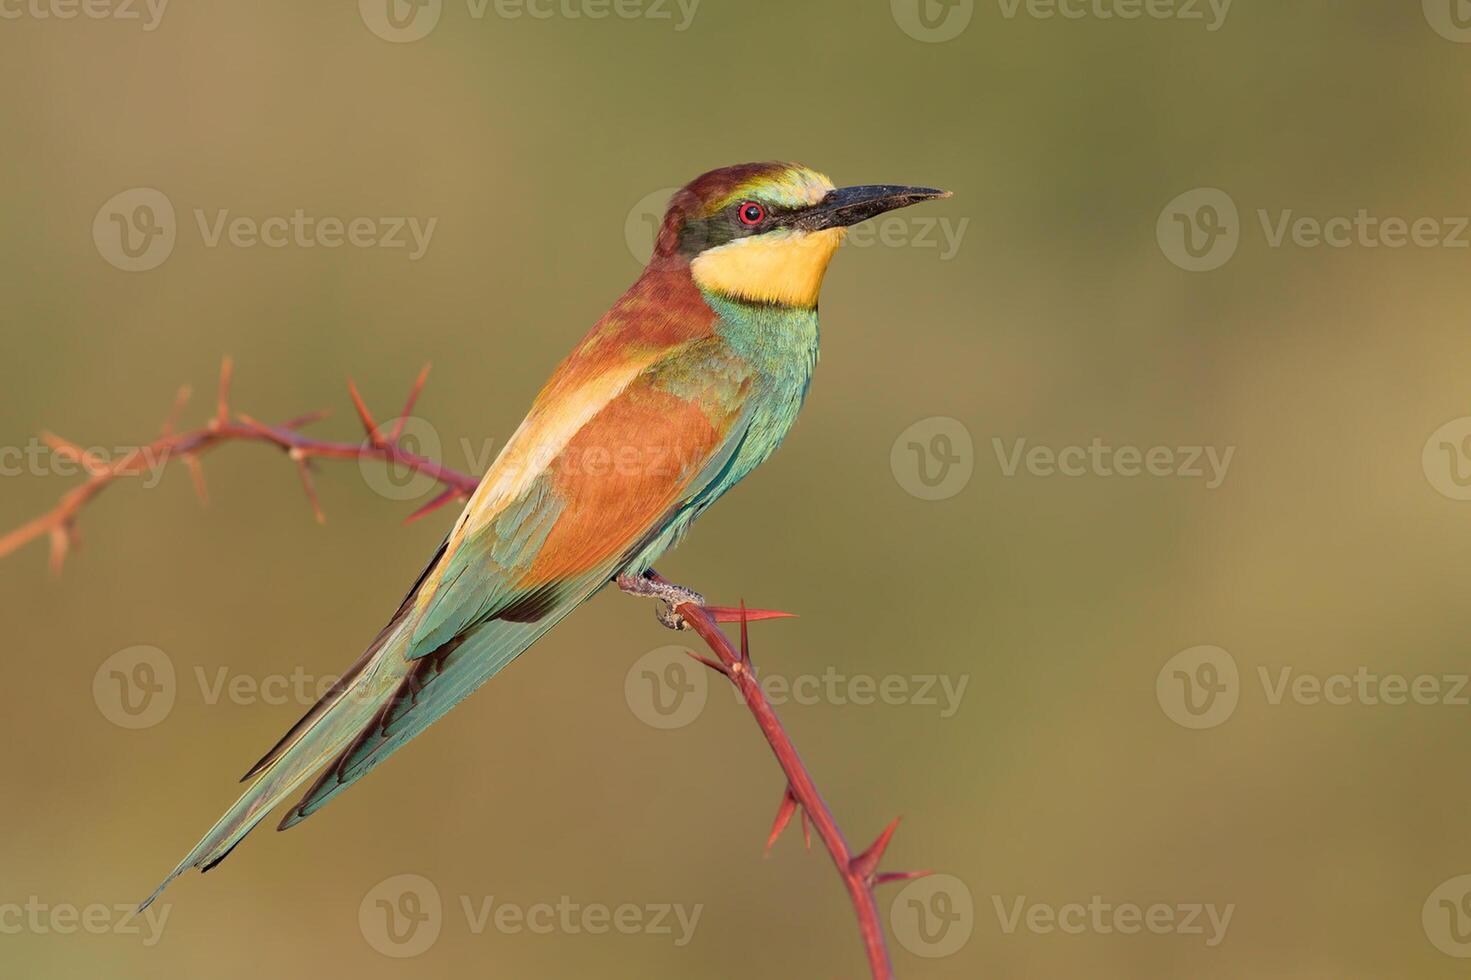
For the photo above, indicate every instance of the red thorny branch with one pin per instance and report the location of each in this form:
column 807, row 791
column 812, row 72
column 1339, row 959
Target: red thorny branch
column 859, row 872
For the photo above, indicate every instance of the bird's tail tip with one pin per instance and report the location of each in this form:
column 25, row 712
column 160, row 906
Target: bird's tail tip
column 198, row 858
column 143, row 905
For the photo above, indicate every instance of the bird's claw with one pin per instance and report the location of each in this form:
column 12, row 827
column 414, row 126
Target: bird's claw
column 668, row 618
column 669, row 597
column 666, row 611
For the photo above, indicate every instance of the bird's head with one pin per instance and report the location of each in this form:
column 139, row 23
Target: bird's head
column 765, row 232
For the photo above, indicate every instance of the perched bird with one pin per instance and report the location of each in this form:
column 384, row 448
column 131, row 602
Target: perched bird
column 681, row 389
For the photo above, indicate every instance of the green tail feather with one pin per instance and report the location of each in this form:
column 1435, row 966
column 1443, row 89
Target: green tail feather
column 380, row 707
column 334, row 728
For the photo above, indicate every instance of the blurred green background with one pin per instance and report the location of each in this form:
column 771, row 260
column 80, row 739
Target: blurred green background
column 1056, row 312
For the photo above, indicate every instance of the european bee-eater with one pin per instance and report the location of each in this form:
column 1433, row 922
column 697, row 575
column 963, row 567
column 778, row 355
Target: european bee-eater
column 681, row 389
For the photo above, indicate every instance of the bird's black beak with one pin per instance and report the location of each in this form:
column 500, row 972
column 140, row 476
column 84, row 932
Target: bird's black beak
column 850, row 205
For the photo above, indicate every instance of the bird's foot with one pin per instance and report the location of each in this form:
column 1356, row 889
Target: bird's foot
column 668, row 595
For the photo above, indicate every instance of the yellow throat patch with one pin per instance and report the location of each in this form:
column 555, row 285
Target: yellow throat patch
column 773, row 268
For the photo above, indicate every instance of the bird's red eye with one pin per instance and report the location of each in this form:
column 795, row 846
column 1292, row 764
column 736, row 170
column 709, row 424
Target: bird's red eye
column 752, row 213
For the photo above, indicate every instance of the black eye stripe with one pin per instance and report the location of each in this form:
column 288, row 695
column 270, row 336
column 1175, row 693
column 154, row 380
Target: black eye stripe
column 724, row 226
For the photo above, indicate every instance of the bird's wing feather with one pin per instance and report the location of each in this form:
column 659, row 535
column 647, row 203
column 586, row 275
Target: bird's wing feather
column 542, row 532
column 563, row 500
column 617, row 482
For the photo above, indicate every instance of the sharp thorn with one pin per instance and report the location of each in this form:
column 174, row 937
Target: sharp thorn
column 60, row 539
column 866, row 863
column 745, row 636
column 222, row 402
column 68, row 449
column 712, row 664
column 181, row 398
column 439, row 501
column 888, row 876
column 783, row 817
column 304, row 467
column 260, row 427
column 398, row 427
column 196, row 473
column 306, row 418
column 371, row 427
column 732, row 614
